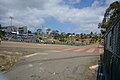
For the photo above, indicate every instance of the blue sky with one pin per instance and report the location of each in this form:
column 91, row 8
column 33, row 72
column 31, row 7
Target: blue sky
column 61, row 26
column 78, row 16
column 81, row 4
column 68, row 26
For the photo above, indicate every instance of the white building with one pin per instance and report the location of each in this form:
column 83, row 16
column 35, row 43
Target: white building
column 22, row 30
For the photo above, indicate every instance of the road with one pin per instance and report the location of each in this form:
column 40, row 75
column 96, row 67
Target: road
column 52, row 62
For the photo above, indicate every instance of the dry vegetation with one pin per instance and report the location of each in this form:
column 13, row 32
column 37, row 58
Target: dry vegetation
column 7, row 59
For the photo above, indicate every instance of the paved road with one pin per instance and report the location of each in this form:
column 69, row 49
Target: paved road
column 53, row 62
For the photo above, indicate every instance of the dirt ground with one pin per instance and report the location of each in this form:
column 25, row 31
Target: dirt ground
column 12, row 52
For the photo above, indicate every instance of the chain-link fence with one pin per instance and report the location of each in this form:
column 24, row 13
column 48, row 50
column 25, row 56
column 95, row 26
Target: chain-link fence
column 111, row 60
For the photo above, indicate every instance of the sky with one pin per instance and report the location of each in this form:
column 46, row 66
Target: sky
column 75, row 16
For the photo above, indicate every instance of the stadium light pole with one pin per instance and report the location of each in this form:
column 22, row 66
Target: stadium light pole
column 11, row 20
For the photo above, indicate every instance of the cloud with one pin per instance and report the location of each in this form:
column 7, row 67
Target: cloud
column 34, row 12
column 72, row 1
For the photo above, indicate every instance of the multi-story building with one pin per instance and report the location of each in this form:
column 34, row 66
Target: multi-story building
column 22, row 30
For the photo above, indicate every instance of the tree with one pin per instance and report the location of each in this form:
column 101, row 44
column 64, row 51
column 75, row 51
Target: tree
column 81, row 35
column 55, row 34
column 2, row 33
column 73, row 33
column 0, row 27
column 48, row 30
column 77, row 35
column 111, row 13
column 29, row 32
column 91, row 33
column 68, row 34
column 39, row 31
column 63, row 34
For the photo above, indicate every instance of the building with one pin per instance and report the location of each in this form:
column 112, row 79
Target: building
column 22, row 30
column 9, row 29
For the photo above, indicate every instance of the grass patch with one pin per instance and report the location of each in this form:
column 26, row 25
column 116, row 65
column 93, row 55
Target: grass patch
column 70, row 44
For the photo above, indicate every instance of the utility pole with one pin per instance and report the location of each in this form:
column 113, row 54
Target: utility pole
column 42, row 30
column 11, row 20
